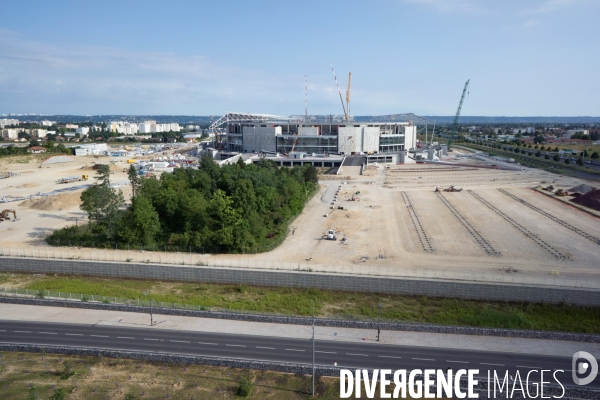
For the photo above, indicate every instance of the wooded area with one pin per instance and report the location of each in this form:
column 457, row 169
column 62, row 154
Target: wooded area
column 235, row 208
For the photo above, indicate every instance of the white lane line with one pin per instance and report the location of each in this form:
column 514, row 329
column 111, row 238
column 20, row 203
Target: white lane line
column 388, row 357
column 48, row 333
column 74, row 334
column 463, row 362
column 98, row 336
column 125, row 337
column 354, row 354
column 525, row 366
column 270, row 348
column 179, row 341
column 235, row 345
column 293, row 350
column 2, row 330
column 424, row 359
column 326, row 352
column 22, row 331
column 212, row 344
column 500, row 365
column 150, row 339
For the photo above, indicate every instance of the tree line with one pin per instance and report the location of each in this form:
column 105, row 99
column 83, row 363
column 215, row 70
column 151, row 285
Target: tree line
column 235, row 208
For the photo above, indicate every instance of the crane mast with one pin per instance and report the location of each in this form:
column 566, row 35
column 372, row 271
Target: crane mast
column 455, row 124
column 348, row 97
column 339, row 91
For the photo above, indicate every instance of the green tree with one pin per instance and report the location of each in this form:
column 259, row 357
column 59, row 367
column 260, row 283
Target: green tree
column 134, row 179
column 102, row 202
column 547, row 157
column 145, row 219
column 580, row 161
column 567, row 160
column 556, row 158
column 595, row 155
column 556, row 149
column 34, row 142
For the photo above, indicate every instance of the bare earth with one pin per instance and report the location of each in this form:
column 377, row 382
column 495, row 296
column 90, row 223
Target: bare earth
column 380, row 235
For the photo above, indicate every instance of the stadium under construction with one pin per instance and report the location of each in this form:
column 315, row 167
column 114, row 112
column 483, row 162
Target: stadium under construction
column 385, row 139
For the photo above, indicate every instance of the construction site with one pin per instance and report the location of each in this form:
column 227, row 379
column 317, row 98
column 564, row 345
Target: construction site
column 461, row 216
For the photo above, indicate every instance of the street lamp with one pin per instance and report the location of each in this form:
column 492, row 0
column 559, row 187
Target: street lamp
column 149, row 293
column 379, row 321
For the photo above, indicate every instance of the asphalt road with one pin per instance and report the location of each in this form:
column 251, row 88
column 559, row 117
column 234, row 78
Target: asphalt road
column 347, row 354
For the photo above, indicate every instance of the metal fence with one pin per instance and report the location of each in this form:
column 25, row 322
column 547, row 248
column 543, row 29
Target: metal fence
column 373, row 267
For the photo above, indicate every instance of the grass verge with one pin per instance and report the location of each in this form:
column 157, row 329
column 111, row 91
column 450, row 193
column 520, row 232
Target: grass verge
column 291, row 301
column 22, row 374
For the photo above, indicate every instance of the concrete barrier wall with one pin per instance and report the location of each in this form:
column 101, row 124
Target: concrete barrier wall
column 339, row 282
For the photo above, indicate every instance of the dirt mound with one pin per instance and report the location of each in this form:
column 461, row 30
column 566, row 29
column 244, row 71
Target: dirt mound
column 95, row 167
column 590, row 200
column 28, row 185
column 53, row 203
column 582, row 189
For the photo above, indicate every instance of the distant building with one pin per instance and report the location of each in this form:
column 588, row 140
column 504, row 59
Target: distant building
column 84, row 130
column 47, row 123
column 71, row 126
column 6, row 121
column 36, row 150
column 39, row 133
column 10, row 133
column 91, row 149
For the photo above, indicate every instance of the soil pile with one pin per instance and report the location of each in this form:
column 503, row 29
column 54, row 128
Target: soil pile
column 28, row 185
column 53, row 203
column 590, row 200
column 582, row 189
column 95, row 167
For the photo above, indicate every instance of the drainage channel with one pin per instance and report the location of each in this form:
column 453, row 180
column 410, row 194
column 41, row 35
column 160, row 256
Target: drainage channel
column 553, row 218
column 427, row 247
column 476, row 235
column 520, row 227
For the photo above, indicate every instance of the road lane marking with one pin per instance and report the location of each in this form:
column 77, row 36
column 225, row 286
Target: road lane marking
column 179, row 341
column 424, row 359
column 354, row 354
column 213, row 344
column 388, row 357
column 125, row 337
column 326, row 352
column 74, row 334
column 99, row 336
column 48, row 333
column 500, row 365
column 293, row 350
column 525, row 366
column 270, row 348
column 150, row 339
column 463, row 362
column 22, row 331
column 2, row 330
column 235, row 345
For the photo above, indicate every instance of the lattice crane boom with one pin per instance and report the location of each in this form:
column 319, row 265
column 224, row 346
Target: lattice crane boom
column 455, row 123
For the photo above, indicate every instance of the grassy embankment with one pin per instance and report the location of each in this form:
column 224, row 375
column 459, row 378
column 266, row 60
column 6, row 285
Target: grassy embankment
column 328, row 303
column 103, row 378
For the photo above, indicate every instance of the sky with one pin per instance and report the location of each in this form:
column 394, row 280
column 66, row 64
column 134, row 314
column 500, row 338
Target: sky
column 523, row 58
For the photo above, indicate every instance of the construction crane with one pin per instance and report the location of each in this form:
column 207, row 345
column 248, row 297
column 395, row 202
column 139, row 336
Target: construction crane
column 339, row 92
column 455, row 124
column 348, row 96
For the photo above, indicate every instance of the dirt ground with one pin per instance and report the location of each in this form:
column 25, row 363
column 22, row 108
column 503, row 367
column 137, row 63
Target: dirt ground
column 380, row 236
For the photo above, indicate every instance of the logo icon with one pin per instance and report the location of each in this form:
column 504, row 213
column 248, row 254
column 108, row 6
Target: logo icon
column 583, row 363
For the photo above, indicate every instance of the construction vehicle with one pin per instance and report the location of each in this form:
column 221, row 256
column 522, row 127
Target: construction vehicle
column 331, row 235
column 561, row 193
column 71, row 179
column 453, row 189
column 549, row 188
column 455, row 123
column 5, row 217
column 130, row 161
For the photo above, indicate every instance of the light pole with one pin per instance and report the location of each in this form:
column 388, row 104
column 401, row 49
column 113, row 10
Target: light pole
column 313, row 349
column 379, row 321
column 150, row 296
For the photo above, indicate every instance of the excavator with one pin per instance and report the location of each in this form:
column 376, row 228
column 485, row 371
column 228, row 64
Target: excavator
column 4, row 215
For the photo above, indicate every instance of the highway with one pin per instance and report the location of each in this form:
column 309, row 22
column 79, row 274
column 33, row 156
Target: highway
column 288, row 350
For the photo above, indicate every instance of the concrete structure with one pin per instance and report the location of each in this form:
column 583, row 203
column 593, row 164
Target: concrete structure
column 256, row 133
